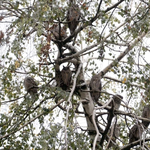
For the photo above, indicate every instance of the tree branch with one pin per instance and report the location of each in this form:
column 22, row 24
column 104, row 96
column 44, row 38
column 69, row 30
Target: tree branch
column 89, row 47
column 120, row 81
column 70, row 103
column 114, row 6
column 127, row 147
column 7, row 135
column 129, row 48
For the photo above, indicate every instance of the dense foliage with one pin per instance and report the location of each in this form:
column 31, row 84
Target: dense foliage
column 39, row 38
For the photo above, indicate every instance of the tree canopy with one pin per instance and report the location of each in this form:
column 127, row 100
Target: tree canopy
column 86, row 69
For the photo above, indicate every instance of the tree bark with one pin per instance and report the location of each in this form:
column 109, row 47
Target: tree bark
column 87, row 102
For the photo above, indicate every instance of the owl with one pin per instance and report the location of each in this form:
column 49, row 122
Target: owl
column 66, row 76
column 95, row 87
column 146, row 114
column 30, row 85
column 116, row 101
column 57, row 34
column 73, row 17
column 115, row 135
column 135, row 133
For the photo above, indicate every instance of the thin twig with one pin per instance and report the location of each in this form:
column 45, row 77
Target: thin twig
column 7, row 135
column 70, row 104
column 96, row 128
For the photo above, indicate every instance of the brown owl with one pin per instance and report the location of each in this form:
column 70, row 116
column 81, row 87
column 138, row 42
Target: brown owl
column 146, row 114
column 135, row 133
column 73, row 17
column 95, row 87
column 30, row 85
column 116, row 133
column 66, row 75
column 57, row 34
column 116, row 101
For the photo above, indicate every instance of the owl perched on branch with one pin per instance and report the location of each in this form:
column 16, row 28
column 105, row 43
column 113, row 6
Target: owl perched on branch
column 58, row 32
column 135, row 133
column 114, row 104
column 30, row 85
column 73, row 17
column 95, row 87
column 66, row 75
column 146, row 114
column 116, row 133
column 116, row 101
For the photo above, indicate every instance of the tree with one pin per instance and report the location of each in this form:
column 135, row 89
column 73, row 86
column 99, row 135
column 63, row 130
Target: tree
column 110, row 40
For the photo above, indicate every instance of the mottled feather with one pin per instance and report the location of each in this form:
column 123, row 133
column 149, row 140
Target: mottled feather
column 135, row 133
column 30, row 85
column 66, row 75
column 116, row 100
column 115, row 135
column 58, row 35
column 73, row 17
column 146, row 114
column 95, row 87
